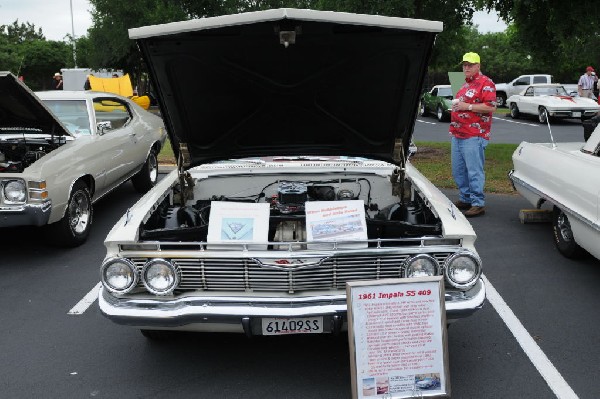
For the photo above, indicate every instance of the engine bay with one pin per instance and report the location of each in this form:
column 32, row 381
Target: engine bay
column 18, row 153
column 388, row 214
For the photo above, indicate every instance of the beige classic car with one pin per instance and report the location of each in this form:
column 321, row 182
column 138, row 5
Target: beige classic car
column 292, row 130
column 61, row 151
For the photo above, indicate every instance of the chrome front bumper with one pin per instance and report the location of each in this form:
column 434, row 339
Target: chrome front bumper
column 215, row 313
column 25, row 215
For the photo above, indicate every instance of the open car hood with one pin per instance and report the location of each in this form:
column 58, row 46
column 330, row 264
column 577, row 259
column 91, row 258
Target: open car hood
column 289, row 82
column 21, row 109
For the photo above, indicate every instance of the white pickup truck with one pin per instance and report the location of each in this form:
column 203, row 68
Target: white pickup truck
column 505, row 90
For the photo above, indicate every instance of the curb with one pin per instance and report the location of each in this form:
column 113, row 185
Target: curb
column 165, row 168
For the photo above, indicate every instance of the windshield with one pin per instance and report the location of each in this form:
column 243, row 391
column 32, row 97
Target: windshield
column 72, row 113
column 550, row 91
column 445, row 92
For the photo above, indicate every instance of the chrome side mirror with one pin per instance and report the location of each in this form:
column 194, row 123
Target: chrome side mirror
column 103, row 127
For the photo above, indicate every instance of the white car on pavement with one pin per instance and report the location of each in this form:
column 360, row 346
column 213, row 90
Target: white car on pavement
column 548, row 101
column 55, row 165
column 292, row 131
column 564, row 178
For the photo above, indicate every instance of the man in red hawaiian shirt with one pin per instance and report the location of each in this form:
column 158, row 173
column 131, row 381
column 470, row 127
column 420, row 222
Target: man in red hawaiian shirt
column 470, row 128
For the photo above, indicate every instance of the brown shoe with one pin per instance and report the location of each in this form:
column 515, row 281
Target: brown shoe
column 475, row 211
column 463, row 206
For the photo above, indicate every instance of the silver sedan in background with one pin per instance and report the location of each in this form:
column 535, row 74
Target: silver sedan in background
column 61, row 154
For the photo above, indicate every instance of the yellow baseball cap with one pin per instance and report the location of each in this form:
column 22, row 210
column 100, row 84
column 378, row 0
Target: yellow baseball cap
column 472, row 58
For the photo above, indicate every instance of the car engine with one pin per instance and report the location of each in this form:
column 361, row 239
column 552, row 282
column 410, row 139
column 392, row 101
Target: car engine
column 16, row 154
column 388, row 215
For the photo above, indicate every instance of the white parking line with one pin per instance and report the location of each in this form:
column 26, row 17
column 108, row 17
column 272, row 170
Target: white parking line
column 86, row 301
column 518, row 123
column 430, row 123
column 553, row 378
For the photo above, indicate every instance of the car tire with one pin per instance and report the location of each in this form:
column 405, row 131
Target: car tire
column 422, row 110
column 74, row 228
column 514, row 111
column 441, row 115
column 500, row 100
column 542, row 115
column 147, row 177
column 563, row 235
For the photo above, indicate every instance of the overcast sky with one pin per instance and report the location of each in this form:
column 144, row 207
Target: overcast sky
column 54, row 17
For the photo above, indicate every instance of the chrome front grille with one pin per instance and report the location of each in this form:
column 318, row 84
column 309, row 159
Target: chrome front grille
column 235, row 274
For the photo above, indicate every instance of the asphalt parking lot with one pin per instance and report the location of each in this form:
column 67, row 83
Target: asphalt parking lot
column 506, row 130
column 51, row 351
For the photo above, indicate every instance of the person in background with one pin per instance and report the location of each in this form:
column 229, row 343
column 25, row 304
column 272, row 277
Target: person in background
column 470, row 128
column 57, row 82
column 585, row 86
column 87, row 85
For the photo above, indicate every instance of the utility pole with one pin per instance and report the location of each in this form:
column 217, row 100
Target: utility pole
column 73, row 35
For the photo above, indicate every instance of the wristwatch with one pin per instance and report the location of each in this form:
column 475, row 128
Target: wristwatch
column 470, row 107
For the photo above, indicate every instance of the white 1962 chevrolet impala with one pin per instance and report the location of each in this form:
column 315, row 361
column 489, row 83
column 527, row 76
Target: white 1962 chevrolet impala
column 565, row 177
column 292, row 131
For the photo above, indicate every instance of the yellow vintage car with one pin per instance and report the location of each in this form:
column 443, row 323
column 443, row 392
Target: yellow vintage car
column 118, row 85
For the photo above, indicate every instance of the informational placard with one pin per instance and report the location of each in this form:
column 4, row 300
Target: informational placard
column 336, row 221
column 398, row 338
column 241, row 222
column 457, row 80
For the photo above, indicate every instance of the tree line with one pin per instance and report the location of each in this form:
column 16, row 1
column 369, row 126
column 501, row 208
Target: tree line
column 543, row 36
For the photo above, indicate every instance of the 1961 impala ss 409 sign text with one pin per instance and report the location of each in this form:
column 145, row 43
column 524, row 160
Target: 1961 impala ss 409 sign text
column 54, row 165
column 291, row 129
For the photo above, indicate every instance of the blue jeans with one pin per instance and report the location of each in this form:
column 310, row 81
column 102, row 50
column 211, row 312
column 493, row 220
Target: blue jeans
column 468, row 158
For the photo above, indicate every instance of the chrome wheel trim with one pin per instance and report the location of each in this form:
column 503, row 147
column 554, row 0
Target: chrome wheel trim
column 153, row 167
column 564, row 227
column 79, row 212
column 542, row 115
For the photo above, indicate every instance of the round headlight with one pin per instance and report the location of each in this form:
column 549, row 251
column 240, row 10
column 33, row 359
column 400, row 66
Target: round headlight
column 420, row 266
column 119, row 275
column 160, row 277
column 15, row 191
column 462, row 269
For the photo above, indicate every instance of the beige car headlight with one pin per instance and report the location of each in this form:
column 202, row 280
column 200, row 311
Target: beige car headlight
column 421, row 266
column 462, row 269
column 160, row 277
column 119, row 275
column 14, row 192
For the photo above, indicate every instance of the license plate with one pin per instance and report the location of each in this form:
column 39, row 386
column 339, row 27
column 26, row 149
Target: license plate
column 576, row 114
column 298, row 325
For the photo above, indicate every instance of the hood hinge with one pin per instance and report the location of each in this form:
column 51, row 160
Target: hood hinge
column 186, row 183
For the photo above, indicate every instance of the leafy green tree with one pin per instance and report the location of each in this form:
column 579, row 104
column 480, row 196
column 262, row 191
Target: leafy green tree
column 24, row 51
column 20, row 33
column 109, row 45
column 561, row 36
column 41, row 59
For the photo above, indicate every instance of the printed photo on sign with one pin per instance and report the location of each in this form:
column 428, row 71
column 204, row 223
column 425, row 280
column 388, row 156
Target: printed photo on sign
column 337, row 221
column 383, row 385
column 428, row 382
column 237, row 229
column 369, row 388
column 238, row 222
